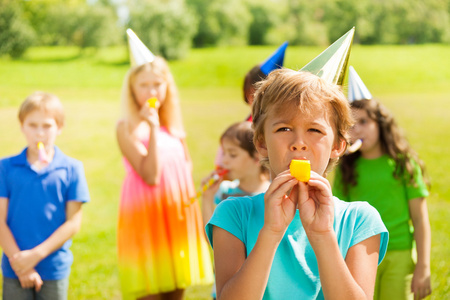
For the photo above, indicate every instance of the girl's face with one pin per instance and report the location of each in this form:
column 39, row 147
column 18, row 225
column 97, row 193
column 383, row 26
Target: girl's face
column 368, row 131
column 40, row 126
column 294, row 135
column 237, row 161
column 148, row 85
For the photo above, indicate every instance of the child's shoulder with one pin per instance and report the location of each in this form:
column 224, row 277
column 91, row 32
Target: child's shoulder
column 62, row 160
column 15, row 159
column 354, row 210
column 243, row 205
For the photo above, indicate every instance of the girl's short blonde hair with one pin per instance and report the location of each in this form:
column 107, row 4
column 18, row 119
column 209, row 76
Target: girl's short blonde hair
column 285, row 88
column 45, row 102
column 170, row 111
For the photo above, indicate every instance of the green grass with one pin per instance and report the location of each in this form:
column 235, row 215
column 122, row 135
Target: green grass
column 412, row 81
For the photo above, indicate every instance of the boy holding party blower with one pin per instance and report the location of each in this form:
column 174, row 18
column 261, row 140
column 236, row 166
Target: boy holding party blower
column 297, row 241
column 41, row 194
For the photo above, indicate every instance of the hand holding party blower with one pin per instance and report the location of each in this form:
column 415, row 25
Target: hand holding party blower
column 218, row 174
column 300, row 169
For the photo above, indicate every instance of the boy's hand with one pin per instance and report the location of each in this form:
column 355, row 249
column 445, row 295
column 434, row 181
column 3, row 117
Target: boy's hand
column 279, row 208
column 31, row 279
column 23, row 261
column 316, row 206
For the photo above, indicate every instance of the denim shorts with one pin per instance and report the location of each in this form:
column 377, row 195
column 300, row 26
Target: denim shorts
column 50, row 290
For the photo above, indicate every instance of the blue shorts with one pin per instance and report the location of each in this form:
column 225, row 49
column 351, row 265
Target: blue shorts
column 50, row 290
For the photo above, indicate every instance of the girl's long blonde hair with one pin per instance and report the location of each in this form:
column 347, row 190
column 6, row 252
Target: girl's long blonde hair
column 170, row 110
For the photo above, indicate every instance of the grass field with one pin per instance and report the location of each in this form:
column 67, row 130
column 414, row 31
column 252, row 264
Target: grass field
column 412, row 81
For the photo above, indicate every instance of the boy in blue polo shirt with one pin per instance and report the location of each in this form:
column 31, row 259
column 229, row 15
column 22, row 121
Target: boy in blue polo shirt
column 41, row 194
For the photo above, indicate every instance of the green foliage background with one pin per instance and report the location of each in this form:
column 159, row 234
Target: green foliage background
column 171, row 27
column 412, row 81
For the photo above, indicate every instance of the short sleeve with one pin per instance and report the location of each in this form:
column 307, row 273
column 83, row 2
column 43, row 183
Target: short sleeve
column 78, row 188
column 419, row 189
column 228, row 215
column 367, row 224
column 4, row 191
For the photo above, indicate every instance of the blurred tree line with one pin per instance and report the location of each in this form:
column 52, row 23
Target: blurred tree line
column 171, row 27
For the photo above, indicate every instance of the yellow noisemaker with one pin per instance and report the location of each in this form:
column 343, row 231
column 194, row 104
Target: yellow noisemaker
column 152, row 102
column 300, row 169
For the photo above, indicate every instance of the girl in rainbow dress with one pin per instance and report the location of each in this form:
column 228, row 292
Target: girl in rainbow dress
column 161, row 243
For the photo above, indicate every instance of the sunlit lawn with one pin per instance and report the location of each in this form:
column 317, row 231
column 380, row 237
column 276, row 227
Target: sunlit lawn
column 413, row 81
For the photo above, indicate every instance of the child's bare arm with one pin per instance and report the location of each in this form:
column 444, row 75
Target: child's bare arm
column 208, row 204
column 241, row 277
column 238, row 277
column 7, row 241
column 421, row 282
column 144, row 162
column 353, row 278
column 25, row 260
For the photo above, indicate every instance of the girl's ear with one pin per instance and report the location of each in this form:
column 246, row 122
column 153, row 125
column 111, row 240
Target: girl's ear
column 338, row 148
column 261, row 147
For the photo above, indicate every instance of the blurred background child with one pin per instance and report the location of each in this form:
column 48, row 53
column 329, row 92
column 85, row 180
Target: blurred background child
column 245, row 174
column 388, row 174
column 41, row 194
column 161, row 242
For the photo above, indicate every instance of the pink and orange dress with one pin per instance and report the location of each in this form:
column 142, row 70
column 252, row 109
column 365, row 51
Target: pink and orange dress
column 161, row 240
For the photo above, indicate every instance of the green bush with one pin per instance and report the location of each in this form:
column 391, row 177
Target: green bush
column 221, row 22
column 16, row 35
column 265, row 18
column 78, row 25
column 166, row 27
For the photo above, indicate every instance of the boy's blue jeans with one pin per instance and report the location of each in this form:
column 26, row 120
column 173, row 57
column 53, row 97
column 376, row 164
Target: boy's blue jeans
column 50, row 290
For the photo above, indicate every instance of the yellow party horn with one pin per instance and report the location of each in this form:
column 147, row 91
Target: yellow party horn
column 152, row 102
column 300, row 169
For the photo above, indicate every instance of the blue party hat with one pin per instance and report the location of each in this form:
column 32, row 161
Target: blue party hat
column 139, row 53
column 357, row 90
column 331, row 64
column 275, row 61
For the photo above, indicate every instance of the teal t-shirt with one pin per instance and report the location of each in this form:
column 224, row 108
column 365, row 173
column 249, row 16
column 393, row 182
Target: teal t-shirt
column 390, row 196
column 227, row 189
column 294, row 273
